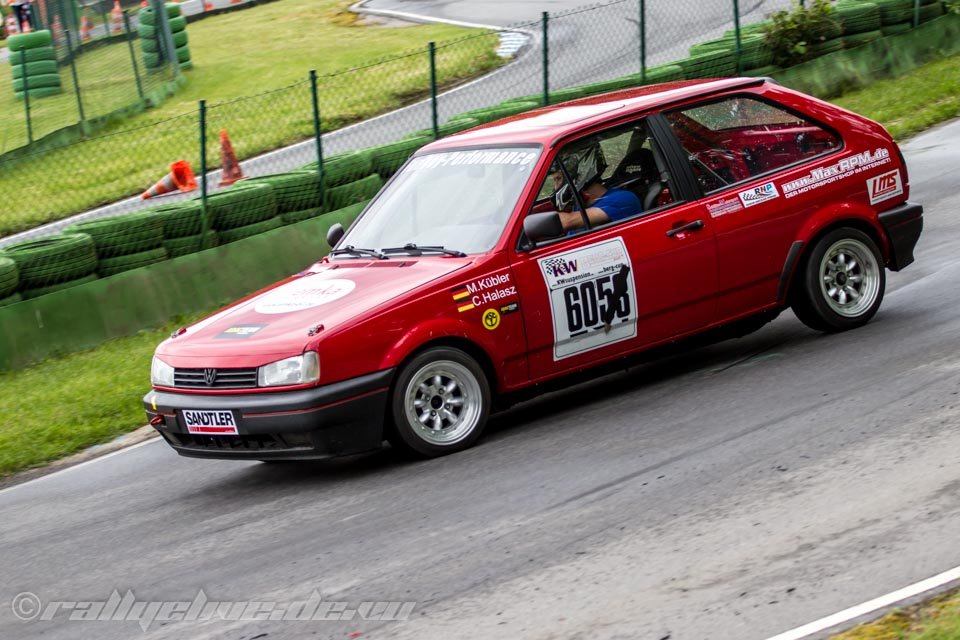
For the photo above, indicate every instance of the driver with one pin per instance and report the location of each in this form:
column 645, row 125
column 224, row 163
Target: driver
column 603, row 204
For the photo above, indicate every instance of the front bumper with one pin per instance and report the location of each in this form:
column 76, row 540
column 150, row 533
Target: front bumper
column 903, row 225
column 324, row 422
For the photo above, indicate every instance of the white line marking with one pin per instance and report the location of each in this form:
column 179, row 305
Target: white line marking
column 870, row 606
column 82, row 464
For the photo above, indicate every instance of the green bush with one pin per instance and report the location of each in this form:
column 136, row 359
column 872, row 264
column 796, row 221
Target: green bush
column 792, row 34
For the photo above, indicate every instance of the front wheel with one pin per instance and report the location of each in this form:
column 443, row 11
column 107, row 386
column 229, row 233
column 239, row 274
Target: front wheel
column 440, row 403
column 841, row 282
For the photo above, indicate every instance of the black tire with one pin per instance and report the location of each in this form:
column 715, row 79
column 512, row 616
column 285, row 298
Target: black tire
column 29, row 40
column 40, row 67
column 34, row 55
column 29, row 294
column 112, row 266
column 810, row 295
column 470, row 387
column 239, row 233
column 37, row 82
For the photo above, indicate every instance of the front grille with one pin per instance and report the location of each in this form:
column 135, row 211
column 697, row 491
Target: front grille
column 264, row 442
column 220, row 378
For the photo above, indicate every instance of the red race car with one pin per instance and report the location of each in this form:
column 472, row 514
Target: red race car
column 512, row 255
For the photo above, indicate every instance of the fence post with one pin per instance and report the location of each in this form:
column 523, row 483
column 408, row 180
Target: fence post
column 736, row 28
column 204, row 221
column 26, row 93
column 916, row 14
column 434, row 117
column 133, row 55
column 316, row 128
column 103, row 16
column 166, row 36
column 73, row 74
column 545, row 22
column 643, row 41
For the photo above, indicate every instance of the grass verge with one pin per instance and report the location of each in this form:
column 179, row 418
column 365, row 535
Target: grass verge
column 935, row 619
column 66, row 404
column 913, row 102
column 235, row 56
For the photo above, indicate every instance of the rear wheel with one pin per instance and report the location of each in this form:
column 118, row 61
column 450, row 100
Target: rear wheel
column 440, row 403
column 841, row 282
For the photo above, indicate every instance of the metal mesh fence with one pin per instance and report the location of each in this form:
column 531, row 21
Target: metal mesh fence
column 329, row 142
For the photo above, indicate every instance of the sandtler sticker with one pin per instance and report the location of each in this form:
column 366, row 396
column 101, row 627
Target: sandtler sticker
column 304, row 293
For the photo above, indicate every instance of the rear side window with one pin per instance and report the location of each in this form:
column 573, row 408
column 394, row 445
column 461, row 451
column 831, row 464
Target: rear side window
column 739, row 138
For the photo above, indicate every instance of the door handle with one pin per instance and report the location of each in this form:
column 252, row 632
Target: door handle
column 696, row 225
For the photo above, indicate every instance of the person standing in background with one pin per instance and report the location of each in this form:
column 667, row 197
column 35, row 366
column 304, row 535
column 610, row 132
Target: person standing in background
column 21, row 9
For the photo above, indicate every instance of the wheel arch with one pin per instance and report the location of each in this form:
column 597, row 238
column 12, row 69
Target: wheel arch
column 464, row 344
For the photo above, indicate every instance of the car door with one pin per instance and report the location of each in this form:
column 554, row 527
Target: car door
column 597, row 294
column 741, row 148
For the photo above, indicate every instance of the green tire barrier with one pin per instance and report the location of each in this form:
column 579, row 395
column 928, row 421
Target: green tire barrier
column 183, row 54
column 830, row 46
column 858, row 39
column 178, row 23
column 895, row 29
column 124, row 235
column 664, row 73
column 857, row 17
column 42, row 291
column 147, row 31
column 344, row 167
column 241, row 205
column 53, row 259
column 34, row 55
column 457, row 125
column 42, row 92
column 931, row 12
column 180, row 219
column 293, row 191
column 502, row 110
column 113, row 266
column 763, row 72
column 294, row 217
column 716, row 64
column 607, row 86
column 565, row 95
column 150, row 45
column 355, row 192
column 9, row 277
column 177, row 247
column 9, row 300
column 186, row 66
column 180, row 39
column 239, row 233
column 387, row 158
column 29, row 40
column 148, row 16
column 40, row 67
column 152, row 60
column 37, row 82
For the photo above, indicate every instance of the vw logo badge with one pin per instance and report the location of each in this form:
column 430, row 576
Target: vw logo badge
column 209, row 376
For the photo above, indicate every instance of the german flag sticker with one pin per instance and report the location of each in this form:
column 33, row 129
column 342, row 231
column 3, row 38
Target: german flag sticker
column 462, row 297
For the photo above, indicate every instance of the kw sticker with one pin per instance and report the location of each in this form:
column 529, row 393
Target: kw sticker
column 494, row 288
column 592, row 297
column 758, row 195
column 241, row 331
column 840, row 170
column 885, row 186
column 491, row 319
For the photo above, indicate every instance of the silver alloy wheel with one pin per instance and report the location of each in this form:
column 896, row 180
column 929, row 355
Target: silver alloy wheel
column 849, row 277
column 443, row 402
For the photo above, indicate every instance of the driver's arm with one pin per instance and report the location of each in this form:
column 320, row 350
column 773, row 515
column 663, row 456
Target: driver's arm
column 574, row 220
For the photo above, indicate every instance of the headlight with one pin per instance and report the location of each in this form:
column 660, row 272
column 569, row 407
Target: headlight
column 297, row 370
column 161, row 374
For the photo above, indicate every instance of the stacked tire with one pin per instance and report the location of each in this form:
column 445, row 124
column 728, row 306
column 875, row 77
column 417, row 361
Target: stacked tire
column 33, row 60
column 861, row 21
column 125, row 242
column 712, row 64
column 754, row 54
column 183, row 228
column 9, row 282
column 150, row 33
column 52, row 263
column 243, row 210
column 298, row 194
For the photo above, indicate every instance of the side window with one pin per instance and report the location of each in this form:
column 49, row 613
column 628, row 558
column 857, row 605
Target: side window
column 617, row 174
column 739, row 138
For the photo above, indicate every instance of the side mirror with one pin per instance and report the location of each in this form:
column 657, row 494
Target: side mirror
column 543, row 226
column 334, row 233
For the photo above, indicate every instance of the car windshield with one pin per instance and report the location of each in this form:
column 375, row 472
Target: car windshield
column 460, row 200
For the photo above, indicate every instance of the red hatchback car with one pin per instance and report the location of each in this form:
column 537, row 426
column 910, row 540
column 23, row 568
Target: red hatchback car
column 514, row 254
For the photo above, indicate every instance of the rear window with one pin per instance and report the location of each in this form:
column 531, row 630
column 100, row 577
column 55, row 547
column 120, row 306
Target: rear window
column 740, row 138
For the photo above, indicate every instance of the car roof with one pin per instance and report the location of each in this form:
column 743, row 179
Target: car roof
column 548, row 124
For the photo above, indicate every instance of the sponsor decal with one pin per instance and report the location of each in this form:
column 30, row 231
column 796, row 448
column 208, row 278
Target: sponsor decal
column 304, row 293
column 521, row 158
column 241, row 331
column 592, row 297
column 507, row 309
column 840, row 170
column 217, row 422
column 724, row 206
column 885, row 186
column 759, row 194
column 491, row 319
column 493, row 288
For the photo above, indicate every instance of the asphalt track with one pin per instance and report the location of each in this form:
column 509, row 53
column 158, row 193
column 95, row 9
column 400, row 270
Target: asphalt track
column 733, row 491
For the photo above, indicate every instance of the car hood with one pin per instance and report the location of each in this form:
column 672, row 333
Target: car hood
column 276, row 321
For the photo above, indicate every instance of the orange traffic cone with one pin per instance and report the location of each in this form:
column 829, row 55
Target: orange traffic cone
column 228, row 160
column 180, row 178
column 12, row 27
column 86, row 28
column 58, row 36
column 116, row 18
column 25, row 27
column 208, row 6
